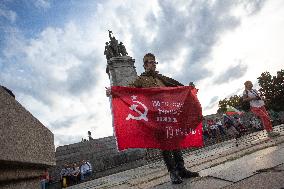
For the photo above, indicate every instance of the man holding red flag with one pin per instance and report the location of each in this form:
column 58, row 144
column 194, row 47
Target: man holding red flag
column 151, row 78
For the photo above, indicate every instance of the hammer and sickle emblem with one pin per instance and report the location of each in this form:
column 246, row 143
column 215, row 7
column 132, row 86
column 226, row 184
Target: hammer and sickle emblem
column 134, row 108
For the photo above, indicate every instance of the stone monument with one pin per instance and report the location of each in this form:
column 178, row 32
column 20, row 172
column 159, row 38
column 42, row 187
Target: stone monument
column 26, row 147
column 121, row 71
column 120, row 66
column 102, row 153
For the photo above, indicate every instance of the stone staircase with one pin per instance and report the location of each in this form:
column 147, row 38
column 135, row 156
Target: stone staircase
column 155, row 173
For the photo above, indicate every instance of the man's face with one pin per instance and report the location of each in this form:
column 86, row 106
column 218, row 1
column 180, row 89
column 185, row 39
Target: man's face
column 150, row 65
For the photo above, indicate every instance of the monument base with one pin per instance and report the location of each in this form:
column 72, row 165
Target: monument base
column 121, row 70
column 27, row 146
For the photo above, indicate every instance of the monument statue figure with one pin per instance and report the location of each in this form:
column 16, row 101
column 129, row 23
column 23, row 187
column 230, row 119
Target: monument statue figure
column 108, row 51
column 113, row 44
column 113, row 48
column 122, row 49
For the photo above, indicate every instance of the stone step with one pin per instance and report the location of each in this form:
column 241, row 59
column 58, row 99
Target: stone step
column 155, row 173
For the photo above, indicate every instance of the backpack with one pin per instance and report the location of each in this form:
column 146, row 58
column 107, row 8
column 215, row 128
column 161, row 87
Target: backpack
column 244, row 105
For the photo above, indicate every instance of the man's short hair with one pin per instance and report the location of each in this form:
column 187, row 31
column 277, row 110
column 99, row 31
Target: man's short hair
column 148, row 56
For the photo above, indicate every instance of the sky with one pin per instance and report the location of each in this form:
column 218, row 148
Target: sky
column 52, row 52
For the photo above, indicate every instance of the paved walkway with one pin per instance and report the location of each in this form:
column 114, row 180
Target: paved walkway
column 258, row 162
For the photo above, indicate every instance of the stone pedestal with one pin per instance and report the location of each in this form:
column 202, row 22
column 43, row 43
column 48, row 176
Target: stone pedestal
column 27, row 146
column 121, row 70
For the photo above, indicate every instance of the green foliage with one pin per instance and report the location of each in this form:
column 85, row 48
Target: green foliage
column 271, row 89
column 222, row 106
column 232, row 101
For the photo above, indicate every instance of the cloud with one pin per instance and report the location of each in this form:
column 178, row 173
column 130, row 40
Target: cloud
column 64, row 122
column 231, row 73
column 212, row 102
column 41, row 3
column 66, row 139
column 194, row 27
column 59, row 73
column 169, row 28
column 252, row 7
column 9, row 15
column 7, row 21
column 82, row 77
column 52, row 63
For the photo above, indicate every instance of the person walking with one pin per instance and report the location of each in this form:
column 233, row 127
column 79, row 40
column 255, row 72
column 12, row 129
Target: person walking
column 151, row 78
column 257, row 107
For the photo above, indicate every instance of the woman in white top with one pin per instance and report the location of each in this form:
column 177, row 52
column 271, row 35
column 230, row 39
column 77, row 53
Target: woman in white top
column 257, row 107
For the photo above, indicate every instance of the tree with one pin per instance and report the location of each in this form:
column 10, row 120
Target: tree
column 279, row 91
column 222, row 106
column 267, row 91
column 232, row 101
column 272, row 89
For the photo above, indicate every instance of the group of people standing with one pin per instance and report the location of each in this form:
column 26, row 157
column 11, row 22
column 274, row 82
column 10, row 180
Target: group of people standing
column 74, row 173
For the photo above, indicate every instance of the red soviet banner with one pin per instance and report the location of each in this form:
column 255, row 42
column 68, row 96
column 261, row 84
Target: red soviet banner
column 167, row 118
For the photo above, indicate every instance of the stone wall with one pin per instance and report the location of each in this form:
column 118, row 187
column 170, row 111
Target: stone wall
column 27, row 146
